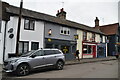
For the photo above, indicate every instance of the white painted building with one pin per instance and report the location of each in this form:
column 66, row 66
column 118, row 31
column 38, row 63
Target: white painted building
column 31, row 35
column 27, row 37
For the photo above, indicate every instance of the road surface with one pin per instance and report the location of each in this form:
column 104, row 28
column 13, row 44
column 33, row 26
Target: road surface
column 104, row 69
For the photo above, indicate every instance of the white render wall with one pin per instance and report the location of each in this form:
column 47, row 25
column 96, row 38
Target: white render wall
column 79, row 42
column 2, row 41
column 36, row 35
column 25, row 35
column 10, row 44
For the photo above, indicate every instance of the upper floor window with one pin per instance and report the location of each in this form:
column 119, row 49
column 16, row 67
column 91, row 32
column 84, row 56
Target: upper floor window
column 84, row 35
column 29, row 24
column 64, row 31
column 93, row 37
column 101, row 38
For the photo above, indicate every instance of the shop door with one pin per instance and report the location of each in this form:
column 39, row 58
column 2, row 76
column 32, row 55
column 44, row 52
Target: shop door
column 94, row 51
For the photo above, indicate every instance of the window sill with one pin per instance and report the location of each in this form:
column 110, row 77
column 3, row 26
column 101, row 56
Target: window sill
column 29, row 29
column 65, row 34
column 87, row 54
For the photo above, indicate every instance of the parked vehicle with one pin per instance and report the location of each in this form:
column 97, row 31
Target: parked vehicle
column 34, row 60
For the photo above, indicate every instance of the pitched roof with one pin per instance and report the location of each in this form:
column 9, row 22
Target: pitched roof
column 45, row 17
column 110, row 29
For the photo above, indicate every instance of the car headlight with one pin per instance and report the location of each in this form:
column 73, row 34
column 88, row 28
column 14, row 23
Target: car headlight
column 13, row 61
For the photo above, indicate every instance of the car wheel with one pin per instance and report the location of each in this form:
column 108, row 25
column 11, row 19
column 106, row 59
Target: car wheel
column 59, row 65
column 23, row 70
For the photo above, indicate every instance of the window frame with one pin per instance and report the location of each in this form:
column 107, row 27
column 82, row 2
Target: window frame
column 101, row 38
column 93, row 37
column 31, row 22
column 64, row 31
column 23, row 46
column 35, row 43
column 88, row 47
column 84, row 35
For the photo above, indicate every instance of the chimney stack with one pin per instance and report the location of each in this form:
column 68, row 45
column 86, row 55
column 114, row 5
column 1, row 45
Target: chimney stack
column 97, row 23
column 61, row 14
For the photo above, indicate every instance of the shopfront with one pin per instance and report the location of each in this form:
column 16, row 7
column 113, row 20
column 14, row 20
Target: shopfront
column 67, row 47
column 89, row 50
column 101, row 50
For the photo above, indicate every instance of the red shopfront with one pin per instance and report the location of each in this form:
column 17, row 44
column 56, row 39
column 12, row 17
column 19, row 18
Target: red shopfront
column 89, row 50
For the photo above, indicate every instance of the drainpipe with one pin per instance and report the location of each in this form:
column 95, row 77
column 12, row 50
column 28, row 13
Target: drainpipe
column 18, row 30
column 4, row 41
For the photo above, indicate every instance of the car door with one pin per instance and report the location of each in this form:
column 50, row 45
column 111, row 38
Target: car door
column 37, row 59
column 50, row 57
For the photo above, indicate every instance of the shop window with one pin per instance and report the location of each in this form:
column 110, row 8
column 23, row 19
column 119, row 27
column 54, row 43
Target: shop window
column 64, row 31
column 65, row 49
column 117, row 38
column 119, row 49
column 23, row 47
column 101, row 51
column 29, row 24
column 87, row 49
column 84, row 36
column 49, row 46
column 57, row 46
column 34, row 45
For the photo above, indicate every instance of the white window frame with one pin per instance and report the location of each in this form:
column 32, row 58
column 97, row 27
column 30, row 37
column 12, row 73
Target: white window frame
column 65, row 29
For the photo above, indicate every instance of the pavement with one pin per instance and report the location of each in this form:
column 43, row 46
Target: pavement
column 90, row 60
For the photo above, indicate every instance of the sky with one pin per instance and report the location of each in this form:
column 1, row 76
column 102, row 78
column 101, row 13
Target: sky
column 80, row 11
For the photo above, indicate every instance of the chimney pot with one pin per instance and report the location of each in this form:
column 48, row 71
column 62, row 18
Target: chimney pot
column 58, row 11
column 61, row 14
column 97, row 23
column 62, row 10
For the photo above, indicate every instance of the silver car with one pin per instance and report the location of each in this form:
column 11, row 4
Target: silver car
column 33, row 60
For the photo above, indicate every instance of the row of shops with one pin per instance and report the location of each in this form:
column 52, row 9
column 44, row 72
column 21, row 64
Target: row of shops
column 40, row 30
column 89, row 49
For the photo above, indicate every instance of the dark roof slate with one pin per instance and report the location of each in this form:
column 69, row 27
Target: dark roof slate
column 45, row 17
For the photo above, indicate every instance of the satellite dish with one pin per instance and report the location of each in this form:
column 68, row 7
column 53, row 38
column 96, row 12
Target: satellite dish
column 10, row 30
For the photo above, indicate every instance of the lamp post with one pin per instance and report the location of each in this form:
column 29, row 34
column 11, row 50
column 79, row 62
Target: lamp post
column 18, row 30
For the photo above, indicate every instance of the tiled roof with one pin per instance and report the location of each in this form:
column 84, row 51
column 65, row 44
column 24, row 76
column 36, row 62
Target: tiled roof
column 110, row 29
column 45, row 17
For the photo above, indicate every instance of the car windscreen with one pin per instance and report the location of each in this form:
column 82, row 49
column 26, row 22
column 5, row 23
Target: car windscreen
column 28, row 53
